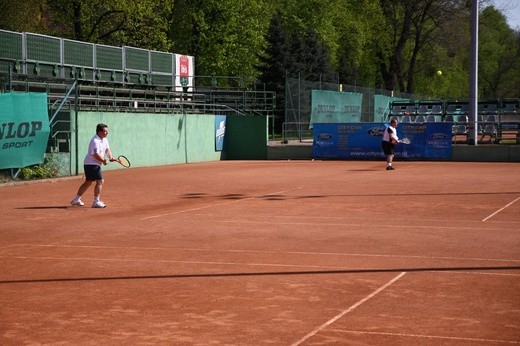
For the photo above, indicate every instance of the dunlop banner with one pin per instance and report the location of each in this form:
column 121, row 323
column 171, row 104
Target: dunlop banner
column 363, row 141
column 24, row 129
column 335, row 107
column 382, row 106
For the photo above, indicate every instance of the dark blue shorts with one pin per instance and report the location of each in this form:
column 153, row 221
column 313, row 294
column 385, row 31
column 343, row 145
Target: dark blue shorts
column 93, row 172
column 388, row 148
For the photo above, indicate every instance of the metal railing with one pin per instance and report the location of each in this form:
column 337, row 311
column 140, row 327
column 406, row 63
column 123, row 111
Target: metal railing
column 296, row 131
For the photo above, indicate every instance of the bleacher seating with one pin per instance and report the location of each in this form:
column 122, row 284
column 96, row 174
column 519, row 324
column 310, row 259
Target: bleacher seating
column 498, row 120
column 419, row 119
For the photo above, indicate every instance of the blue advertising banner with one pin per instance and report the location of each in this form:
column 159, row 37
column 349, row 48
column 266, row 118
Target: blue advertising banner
column 24, row 129
column 363, row 141
column 220, row 132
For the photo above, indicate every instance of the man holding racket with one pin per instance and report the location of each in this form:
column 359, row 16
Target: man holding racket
column 97, row 149
column 389, row 142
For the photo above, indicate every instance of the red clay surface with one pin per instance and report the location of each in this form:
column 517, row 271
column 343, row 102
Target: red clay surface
column 266, row 253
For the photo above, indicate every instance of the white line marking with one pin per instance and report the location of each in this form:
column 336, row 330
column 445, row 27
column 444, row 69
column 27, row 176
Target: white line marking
column 97, row 259
column 431, row 337
column 499, row 210
column 170, row 249
column 352, row 218
column 238, row 264
column 344, row 312
column 357, row 225
column 217, row 204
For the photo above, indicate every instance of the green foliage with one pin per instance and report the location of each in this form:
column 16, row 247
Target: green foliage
column 499, row 56
column 390, row 44
column 25, row 15
column 225, row 36
column 48, row 169
column 142, row 24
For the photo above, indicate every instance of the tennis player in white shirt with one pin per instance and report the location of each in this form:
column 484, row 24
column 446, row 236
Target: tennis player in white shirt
column 97, row 149
column 389, row 142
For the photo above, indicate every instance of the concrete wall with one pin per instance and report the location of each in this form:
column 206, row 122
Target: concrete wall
column 480, row 153
column 486, row 153
column 149, row 139
column 165, row 139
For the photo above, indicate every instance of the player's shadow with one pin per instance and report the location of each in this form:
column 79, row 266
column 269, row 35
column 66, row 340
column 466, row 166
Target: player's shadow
column 46, row 207
column 281, row 273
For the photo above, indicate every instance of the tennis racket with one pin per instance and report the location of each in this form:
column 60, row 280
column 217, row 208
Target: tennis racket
column 123, row 161
column 406, row 141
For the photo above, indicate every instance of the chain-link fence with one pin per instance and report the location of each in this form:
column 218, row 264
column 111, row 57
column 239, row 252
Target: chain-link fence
column 298, row 104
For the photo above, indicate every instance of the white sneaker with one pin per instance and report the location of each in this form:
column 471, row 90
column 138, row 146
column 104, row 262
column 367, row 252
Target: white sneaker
column 98, row 204
column 77, row 201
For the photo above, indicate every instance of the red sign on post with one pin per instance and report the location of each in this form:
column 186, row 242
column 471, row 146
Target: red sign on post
column 184, row 66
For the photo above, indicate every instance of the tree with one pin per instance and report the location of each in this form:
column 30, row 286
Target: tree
column 410, row 26
column 23, row 15
column 499, row 56
column 115, row 22
column 225, row 36
column 274, row 63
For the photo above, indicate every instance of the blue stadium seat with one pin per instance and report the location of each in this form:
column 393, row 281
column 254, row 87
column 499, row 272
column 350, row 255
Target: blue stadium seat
column 431, row 119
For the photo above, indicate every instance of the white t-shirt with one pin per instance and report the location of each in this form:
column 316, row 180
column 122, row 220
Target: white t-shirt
column 390, row 135
column 96, row 145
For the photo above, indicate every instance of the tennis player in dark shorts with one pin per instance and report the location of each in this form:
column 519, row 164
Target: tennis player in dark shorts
column 93, row 172
column 389, row 142
column 97, row 149
column 388, row 148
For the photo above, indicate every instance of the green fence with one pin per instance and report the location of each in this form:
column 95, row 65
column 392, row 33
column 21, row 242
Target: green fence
column 47, row 56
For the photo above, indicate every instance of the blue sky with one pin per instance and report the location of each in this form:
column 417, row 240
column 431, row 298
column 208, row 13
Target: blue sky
column 511, row 9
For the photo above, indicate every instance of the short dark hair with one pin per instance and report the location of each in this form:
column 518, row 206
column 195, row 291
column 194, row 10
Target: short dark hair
column 393, row 121
column 100, row 127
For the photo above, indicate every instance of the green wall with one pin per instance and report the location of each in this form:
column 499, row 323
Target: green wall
column 246, row 137
column 165, row 139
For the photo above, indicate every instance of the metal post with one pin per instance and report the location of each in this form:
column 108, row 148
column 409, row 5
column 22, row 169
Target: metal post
column 299, row 103
column 10, row 79
column 76, row 128
column 473, row 86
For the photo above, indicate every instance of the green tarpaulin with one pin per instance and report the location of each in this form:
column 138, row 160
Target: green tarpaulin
column 336, row 107
column 24, row 129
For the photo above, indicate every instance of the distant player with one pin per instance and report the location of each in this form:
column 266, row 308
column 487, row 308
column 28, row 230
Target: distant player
column 389, row 142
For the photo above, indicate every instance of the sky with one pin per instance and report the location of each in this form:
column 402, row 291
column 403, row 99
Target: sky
column 511, row 9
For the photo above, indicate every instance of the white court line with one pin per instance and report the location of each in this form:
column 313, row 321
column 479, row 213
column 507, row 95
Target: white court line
column 307, row 253
column 499, row 210
column 217, row 204
column 351, row 218
column 356, row 225
column 238, row 264
column 97, row 259
column 344, row 312
column 487, row 341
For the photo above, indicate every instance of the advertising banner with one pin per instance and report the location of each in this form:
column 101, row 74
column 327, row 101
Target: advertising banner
column 363, row 141
column 220, row 132
column 184, row 72
column 382, row 106
column 335, row 107
column 24, row 129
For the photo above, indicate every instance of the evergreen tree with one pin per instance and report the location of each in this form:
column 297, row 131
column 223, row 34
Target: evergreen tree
column 276, row 60
column 274, row 65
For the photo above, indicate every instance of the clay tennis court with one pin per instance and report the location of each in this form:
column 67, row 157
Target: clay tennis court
column 266, row 253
